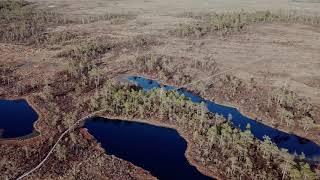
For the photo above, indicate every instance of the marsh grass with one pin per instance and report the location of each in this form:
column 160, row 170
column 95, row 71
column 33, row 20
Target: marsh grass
column 58, row 39
column 87, row 50
column 22, row 23
column 306, row 1
column 93, row 48
column 162, row 66
column 11, row 5
column 170, row 68
column 225, row 23
column 149, row 63
column 114, row 18
column 6, row 74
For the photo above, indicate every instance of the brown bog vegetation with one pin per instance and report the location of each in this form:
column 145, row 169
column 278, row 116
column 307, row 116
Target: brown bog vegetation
column 208, row 23
column 80, row 80
column 24, row 24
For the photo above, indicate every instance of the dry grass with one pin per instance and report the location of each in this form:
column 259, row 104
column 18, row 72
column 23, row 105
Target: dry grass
column 92, row 48
column 236, row 21
column 22, row 23
column 87, row 50
column 55, row 40
column 6, row 74
column 170, row 69
column 83, row 59
column 85, row 54
column 306, row 1
column 114, row 18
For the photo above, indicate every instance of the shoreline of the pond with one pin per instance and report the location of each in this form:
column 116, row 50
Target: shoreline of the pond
column 243, row 112
column 154, row 122
column 86, row 134
column 36, row 133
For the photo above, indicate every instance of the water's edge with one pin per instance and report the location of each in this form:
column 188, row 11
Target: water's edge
column 36, row 133
column 183, row 134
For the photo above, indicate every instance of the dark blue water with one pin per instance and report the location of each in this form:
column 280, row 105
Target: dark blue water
column 293, row 143
column 156, row 149
column 17, row 118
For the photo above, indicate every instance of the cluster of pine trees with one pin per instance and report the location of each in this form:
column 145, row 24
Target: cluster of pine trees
column 218, row 144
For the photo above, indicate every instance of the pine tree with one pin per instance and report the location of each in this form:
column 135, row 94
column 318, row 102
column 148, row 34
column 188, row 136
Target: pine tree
column 307, row 173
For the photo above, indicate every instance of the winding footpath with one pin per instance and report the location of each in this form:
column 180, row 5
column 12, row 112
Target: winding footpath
column 57, row 142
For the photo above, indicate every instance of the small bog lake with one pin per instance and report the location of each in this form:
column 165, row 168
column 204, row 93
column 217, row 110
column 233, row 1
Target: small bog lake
column 17, row 119
column 293, row 143
column 159, row 150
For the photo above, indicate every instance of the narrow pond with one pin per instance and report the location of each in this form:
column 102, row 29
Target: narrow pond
column 293, row 143
column 156, row 149
column 17, row 119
